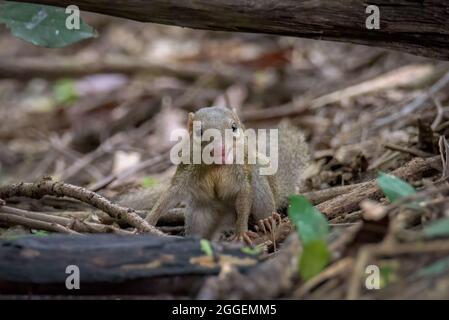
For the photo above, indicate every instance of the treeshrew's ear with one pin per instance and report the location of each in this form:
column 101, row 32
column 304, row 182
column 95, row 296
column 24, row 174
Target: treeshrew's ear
column 190, row 122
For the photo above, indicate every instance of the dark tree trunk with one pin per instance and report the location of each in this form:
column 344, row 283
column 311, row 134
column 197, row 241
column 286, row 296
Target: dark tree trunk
column 414, row 26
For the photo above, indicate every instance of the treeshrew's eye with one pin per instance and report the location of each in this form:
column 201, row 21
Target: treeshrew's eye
column 234, row 127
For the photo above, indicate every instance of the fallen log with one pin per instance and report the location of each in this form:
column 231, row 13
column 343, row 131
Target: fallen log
column 113, row 264
column 349, row 202
column 412, row 26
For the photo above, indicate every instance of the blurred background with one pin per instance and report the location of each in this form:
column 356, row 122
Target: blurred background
column 99, row 113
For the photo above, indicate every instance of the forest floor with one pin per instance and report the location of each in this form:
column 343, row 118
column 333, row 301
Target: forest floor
column 99, row 115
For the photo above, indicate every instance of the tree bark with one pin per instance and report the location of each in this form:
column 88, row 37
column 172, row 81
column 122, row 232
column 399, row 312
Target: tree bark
column 113, row 264
column 418, row 27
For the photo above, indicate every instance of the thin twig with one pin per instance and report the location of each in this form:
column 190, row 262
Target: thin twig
column 388, row 249
column 85, row 160
column 383, row 159
column 70, row 223
column 63, row 149
column 415, row 104
column 444, row 153
column 333, row 270
column 128, row 172
column 319, row 196
column 48, row 187
column 412, row 151
column 34, row 224
column 440, row 112
column 392, row 79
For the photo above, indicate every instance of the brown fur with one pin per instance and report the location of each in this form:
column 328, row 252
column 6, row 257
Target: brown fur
column 223, row 197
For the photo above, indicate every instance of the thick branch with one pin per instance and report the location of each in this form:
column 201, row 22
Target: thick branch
column 49, row 187
column 348, row 202
column 418, row 27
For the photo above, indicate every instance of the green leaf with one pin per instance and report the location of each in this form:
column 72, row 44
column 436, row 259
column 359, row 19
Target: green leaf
column 313, row 229
column 40, row 233
column 206, row 247
column 393, row 187
column 314, row 258
column 434, row 269
column 149, row 182
column 439, row 228
column 309, row 221
column 65, row 91
column 252, row 251
column 42, row 25
column 387, row 275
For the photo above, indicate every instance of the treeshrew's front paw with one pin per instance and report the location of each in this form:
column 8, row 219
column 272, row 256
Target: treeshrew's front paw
column 268, row 225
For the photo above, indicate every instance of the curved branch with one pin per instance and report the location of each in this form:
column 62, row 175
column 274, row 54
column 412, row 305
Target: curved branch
column 48, row 187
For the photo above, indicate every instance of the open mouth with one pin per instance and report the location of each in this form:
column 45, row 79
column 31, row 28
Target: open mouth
column 225, row 155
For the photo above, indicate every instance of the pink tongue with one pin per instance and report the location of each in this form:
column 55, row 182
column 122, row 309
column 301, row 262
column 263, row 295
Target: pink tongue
column 223, row 154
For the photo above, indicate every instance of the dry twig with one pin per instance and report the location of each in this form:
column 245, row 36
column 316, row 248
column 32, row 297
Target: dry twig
column 48, row 187
column 417, row 103
column 412, row 151
column 13, row 219
column 69, row 223
column 388, row 249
